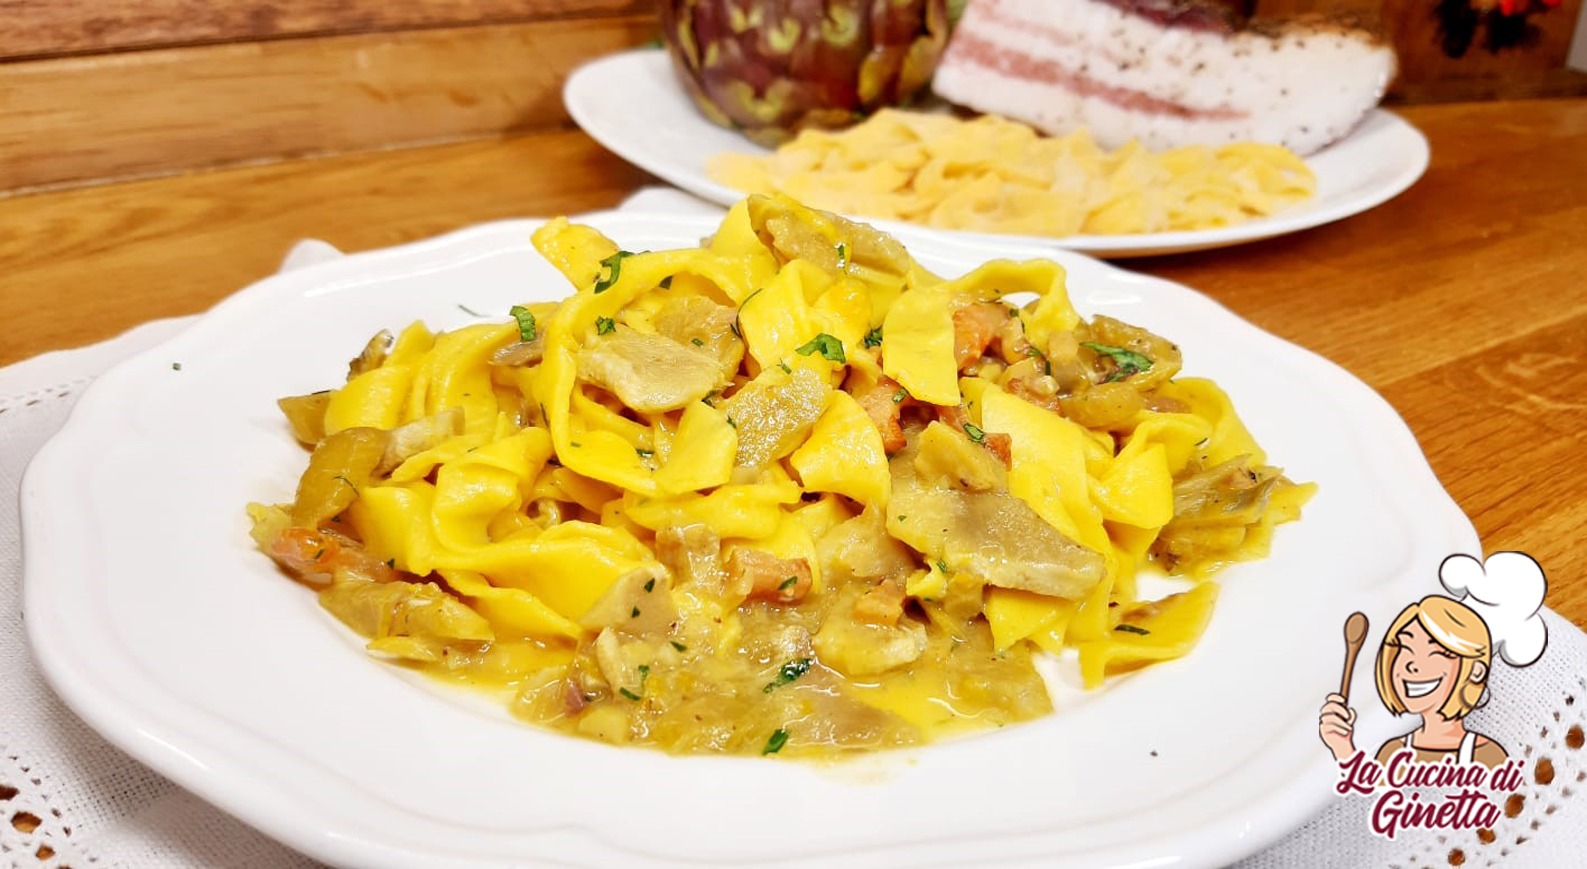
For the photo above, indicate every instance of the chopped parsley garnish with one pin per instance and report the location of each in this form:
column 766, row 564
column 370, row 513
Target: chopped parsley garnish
column 698, row 342
column 789, row 672
column 526, row 323
column 644, row 674
column 731, row 423
column 843, row 256
column 1127, row 362
column 830, row 348
column 650, row 584
column 942, row 567
column 469, row 311
column 1132, row 629
column 737, row 331
column 644, row 453
column 784, row 367
column 634, row 614
column 605, row 325
column 779, row 738
column 900, row 395
column 391, row 563
column 679, row 646
column 902, row 518
column 788, row 583
column 614, row 269
column 176, row 366
column 976, row 434
column 873, row 338
column 666, row 283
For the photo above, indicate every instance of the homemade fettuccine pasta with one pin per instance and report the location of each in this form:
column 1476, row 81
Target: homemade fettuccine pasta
column 786, row 492
column 994, row 175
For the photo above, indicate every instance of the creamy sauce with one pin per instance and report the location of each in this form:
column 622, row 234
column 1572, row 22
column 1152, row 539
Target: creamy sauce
column 761, row 678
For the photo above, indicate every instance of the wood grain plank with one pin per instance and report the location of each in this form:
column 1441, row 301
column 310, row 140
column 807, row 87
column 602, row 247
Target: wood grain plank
column 1536, row 84
column 138, row 113
column 1533, row 69
column 1505, row 428
column 108, row 258
column 1419, row 39
column 50, row 28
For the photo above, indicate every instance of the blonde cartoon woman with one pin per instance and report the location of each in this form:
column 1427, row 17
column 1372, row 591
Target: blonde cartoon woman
column 1434, row 662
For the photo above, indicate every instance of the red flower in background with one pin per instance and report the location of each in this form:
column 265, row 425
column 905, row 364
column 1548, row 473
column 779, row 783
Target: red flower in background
column 1521, row 7
column 1502, row 24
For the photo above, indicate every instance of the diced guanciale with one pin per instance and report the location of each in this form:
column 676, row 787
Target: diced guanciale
column 860, row 648
column 1001, row 445
column 883, row 604
column 884, row 404
column 974, row 328
column 317, row 555
column 760, row 575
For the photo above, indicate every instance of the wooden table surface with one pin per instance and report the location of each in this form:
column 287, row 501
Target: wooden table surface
column 1463, row 301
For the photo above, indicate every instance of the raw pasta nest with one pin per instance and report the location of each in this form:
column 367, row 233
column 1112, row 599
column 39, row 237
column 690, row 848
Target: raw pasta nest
column 786, row 492
column 1000, row 176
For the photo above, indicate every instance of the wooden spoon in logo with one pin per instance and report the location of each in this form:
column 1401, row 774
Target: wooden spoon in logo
column 1355, row 635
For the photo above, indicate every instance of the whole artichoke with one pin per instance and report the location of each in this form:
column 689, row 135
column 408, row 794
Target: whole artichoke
column 773, row 67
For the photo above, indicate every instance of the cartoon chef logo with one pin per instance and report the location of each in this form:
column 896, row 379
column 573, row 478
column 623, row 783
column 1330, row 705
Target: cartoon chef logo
column 1434, row 662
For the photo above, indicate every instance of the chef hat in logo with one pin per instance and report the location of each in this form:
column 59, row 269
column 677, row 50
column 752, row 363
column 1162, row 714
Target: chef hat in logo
column 1507, row 591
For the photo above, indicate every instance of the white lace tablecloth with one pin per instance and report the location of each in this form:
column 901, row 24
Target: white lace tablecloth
column 68, row 798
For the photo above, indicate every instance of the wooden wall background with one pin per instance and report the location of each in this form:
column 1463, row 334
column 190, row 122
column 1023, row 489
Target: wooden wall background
column 92, row 91
column 1535, row 68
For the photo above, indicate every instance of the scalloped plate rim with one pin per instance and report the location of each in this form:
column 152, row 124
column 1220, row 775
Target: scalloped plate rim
column 171, row 733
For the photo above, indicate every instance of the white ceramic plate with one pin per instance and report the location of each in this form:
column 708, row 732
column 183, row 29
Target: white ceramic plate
column 155, row 619
column 632, row 104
